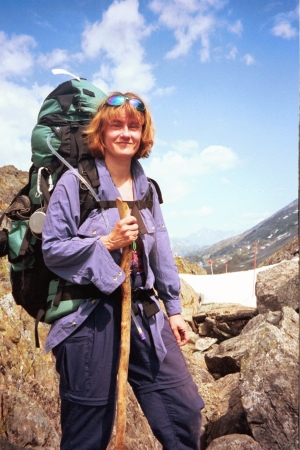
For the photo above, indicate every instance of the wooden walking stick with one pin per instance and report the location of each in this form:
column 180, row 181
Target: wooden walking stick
column 125, row 337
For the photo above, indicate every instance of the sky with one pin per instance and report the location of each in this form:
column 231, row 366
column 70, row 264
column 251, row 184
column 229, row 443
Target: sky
column 219, row 76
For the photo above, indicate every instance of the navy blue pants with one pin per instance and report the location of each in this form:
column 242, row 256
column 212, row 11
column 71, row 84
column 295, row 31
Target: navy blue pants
column 87, row 362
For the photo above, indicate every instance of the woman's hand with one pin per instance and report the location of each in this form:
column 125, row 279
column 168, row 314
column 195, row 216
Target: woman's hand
column 179, row 328
column 124, row 233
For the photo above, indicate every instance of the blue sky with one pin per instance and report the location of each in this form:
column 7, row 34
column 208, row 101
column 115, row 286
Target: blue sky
column 220, row 77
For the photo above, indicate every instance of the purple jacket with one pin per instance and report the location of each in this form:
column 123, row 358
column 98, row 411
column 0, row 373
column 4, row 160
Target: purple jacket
column 75, row 253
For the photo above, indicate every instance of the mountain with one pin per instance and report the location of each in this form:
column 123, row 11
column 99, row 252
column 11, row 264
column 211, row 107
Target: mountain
column 203, row 237
column 239, row 251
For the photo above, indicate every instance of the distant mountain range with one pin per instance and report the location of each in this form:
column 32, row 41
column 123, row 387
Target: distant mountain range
column 238, row 251
column 203, row 237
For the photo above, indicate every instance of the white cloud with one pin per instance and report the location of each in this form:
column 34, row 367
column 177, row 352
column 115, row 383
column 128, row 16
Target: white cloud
column 284, row 24
column 117, row 38
column 233, row 51
column 236, row 28
column 19, row 107
column 15, row 55
column 192, row 21
column 248, row 59
column 178, row 169
column 56, row 58
column 186, row 147
column 198, row 28
column 160, row 92
column 284, row 30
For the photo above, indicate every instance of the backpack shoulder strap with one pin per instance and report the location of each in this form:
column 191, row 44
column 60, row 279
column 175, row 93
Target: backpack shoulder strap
column 157, row 188
column 88, row 170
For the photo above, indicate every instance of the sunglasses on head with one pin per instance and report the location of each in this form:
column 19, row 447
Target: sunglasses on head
column 118, row 100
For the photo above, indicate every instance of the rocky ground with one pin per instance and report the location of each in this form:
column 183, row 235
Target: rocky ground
column 244, row 361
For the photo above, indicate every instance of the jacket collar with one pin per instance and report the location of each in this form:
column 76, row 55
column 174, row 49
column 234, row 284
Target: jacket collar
column 107, row 189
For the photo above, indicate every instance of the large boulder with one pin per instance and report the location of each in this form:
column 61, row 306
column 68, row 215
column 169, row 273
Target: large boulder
column 278, row 286
column 223, row 411
column 234, row 442
column 26, row 423
column 222, row 320
column 270, row 379
column 28, row 382
column 266, row 355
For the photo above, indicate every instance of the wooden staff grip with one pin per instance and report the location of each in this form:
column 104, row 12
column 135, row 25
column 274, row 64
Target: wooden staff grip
column 125, row 336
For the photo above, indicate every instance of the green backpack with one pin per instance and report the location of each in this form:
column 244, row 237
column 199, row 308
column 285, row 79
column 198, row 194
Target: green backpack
column 62, row 120
column 57, row 145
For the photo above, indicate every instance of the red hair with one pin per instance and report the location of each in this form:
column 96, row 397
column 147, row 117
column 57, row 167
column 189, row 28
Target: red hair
column 106, row 114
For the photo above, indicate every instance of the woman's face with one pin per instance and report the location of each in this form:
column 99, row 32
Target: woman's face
column 122, row 137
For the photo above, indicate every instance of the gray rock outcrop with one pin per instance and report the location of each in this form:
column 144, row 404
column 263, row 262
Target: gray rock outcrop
column 265, row 358
column 278, row 286
column 270, row 378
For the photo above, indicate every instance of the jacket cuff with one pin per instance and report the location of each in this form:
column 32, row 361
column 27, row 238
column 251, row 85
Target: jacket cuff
column 173, row 307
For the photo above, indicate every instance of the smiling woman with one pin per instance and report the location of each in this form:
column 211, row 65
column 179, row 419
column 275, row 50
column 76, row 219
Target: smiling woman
column 86, row 343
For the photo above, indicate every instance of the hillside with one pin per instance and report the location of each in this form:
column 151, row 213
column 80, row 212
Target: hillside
column 271, row 235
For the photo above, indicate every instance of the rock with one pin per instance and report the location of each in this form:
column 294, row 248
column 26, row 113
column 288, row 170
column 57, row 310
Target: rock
column 222, row 321
column 204, row 343
column 26, row 423
column 223, row 410
column 12, row 181
column 234, row 442
column 185, row 266
column 189, row 301
column 226, row 357
column 27, row 377
column 198, row 371
column 278, row 286
column 5, row 445
column 270, row 379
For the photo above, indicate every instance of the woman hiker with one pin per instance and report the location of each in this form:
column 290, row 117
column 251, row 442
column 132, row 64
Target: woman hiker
column 86, row 342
